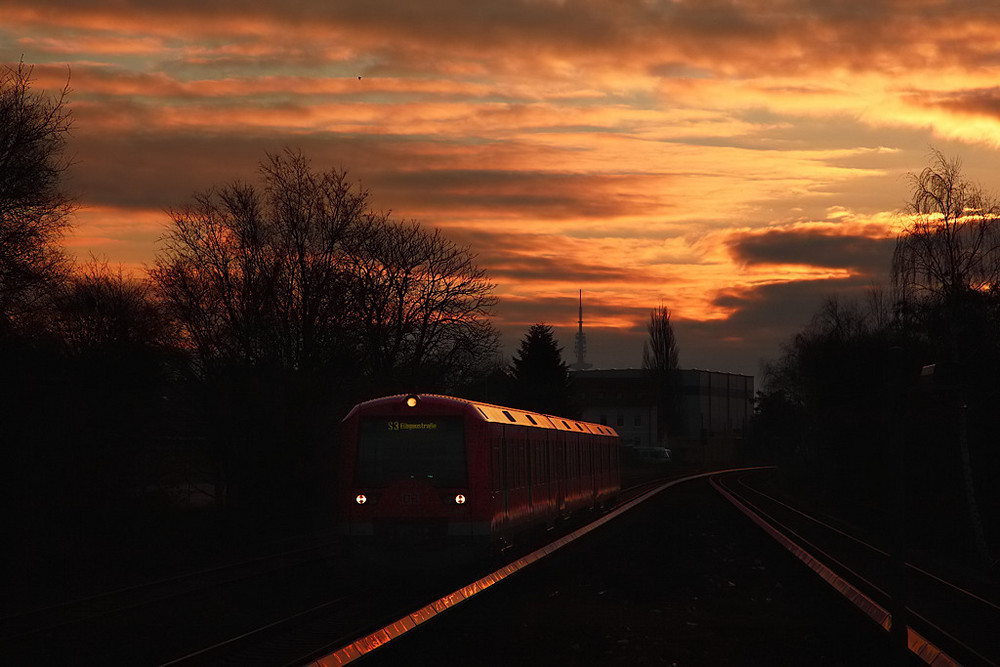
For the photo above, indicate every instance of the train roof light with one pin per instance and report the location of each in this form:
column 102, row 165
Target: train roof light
column 411, row 401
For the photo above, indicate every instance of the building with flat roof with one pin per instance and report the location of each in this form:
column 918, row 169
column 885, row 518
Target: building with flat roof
column 702, row 416
column 625, row 399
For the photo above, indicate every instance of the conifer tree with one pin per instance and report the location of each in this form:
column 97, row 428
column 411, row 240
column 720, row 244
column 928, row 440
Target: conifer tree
column 540, row 376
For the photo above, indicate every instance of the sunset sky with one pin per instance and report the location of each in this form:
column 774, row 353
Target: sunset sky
column 736, row 161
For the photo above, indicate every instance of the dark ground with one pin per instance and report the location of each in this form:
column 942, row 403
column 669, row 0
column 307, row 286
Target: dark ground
column 684, row 579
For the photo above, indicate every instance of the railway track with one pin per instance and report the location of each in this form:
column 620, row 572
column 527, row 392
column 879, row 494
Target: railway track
column 947, row 621
column 277, row 608
column 99, row 622
column 285, row 608
column 306, row 635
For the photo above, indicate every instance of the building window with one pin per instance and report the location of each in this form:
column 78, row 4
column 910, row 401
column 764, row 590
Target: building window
column 604, row 420
column 621, row 420
column 637, row 420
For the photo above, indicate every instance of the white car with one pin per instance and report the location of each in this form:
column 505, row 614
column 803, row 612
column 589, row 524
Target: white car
column 653, row 454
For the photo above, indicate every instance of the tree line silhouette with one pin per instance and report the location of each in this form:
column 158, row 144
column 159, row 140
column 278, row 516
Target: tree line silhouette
column 271, row 307
column 885, row 408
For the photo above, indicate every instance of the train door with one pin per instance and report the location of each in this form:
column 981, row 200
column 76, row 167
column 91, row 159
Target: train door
column 515, row 474
column 559, row 468
column 508, row 448
column 594, row 456
column 573, row 468
column 542, row 471
column 602, row 447
column 547, row 463
column 498, row 474
column 529, row 462
column 592, row 465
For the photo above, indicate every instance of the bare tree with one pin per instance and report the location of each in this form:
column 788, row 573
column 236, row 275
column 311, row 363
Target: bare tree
column 879, row 307
column 257, row 276
column 254, row 278
column 660, row 358
column 304, row 274
column 421, row 305
column 660, row 352
column 946, row 272
column 34, row 212
column 953, row 242
column 293, row 294
column 101, row 307
column 315, row 215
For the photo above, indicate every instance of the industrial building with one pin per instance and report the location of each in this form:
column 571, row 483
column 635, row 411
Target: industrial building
column 702, row 416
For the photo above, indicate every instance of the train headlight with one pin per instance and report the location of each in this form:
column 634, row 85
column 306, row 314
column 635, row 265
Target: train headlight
column 460, row 499
column 411, row 401
column 361, row 499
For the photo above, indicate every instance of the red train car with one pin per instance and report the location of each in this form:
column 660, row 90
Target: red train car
column 424, row 470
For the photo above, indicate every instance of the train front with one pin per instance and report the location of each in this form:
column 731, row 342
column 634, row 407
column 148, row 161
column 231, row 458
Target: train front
column 408, row 478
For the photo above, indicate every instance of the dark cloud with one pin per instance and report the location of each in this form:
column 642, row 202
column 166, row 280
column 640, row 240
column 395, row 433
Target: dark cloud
column 159, row 171
column 762, row 318
column 859, row 254
column 549, row 269
column 546, row 195
column 978, row 102
column 720, row 36
column 143, row 163
column 782, row 306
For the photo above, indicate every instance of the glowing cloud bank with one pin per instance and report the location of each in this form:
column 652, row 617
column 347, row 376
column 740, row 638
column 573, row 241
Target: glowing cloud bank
column 735, row 161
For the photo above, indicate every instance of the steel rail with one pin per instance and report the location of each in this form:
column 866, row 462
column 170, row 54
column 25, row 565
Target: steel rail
column 916, row 642
column 916, row 568
column 347, row 653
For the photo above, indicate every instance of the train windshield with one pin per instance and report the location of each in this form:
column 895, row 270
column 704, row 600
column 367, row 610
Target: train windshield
column 427, row 448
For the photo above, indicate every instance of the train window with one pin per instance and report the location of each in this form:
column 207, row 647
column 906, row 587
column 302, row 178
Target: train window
column 429, row 448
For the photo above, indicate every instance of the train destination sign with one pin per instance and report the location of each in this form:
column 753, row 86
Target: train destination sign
column 410, row 426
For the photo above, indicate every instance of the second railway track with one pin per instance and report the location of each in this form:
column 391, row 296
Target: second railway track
column 957, row 617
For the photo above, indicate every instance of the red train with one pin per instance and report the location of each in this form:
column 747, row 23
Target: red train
column 424, row 470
